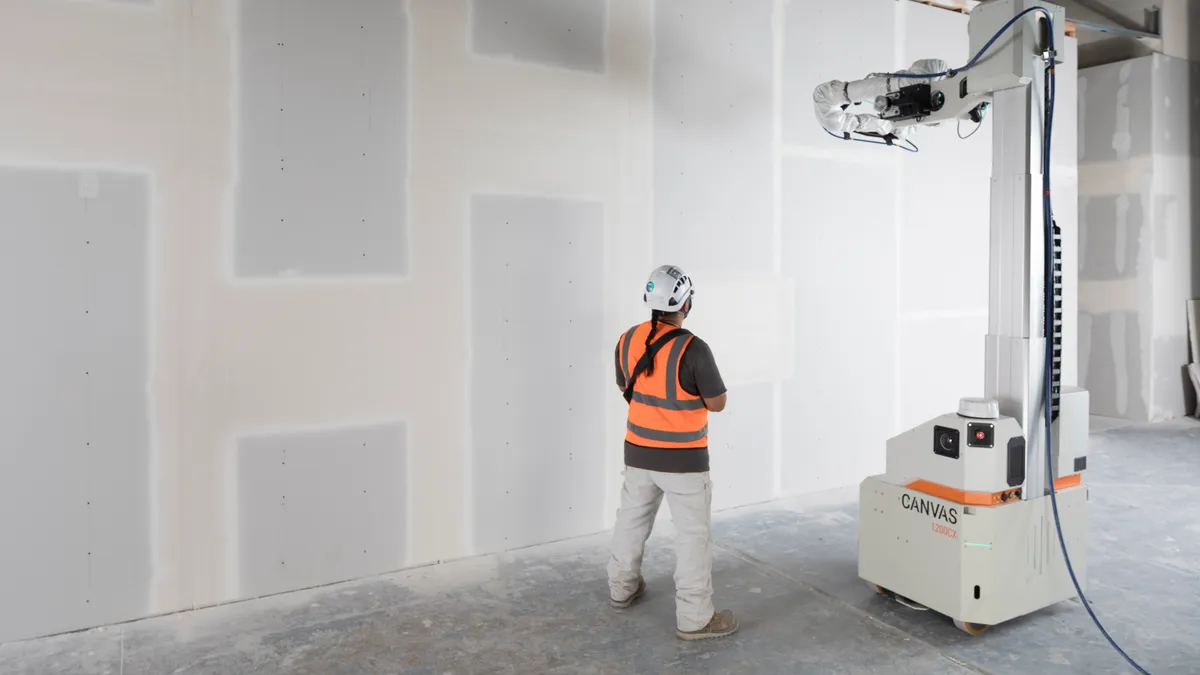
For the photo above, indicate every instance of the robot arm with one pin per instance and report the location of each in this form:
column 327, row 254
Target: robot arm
column 897, row 104
column 833, row 101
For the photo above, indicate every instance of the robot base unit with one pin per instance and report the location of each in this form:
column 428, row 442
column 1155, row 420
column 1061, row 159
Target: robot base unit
column 949, row 527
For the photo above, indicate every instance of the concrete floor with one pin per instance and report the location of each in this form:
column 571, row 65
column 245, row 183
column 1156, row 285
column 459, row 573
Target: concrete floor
column 788, row 568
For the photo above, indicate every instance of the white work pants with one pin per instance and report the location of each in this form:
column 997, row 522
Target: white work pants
column 689, row 496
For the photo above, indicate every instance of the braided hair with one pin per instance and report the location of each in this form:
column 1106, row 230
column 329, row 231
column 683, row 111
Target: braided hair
column 654, row 317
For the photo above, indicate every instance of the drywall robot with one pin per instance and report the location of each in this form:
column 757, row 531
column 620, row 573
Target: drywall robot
column 964, row 519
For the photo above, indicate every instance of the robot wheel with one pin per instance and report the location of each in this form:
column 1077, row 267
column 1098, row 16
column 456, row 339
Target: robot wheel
column 879, row 590
column 975, row 629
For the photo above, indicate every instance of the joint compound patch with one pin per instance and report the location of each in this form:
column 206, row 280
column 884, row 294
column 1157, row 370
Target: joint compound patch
column 1122, row 139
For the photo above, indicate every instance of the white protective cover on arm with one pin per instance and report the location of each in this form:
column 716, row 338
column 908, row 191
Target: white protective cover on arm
column 830, row 98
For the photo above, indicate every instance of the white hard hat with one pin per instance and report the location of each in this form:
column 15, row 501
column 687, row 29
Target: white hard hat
column 667, row 289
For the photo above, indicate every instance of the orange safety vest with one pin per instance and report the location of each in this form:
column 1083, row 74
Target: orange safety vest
column 661, row 413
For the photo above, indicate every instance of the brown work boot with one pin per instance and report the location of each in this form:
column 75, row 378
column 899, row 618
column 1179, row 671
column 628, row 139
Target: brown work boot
column 723, row 623
column 622, row 604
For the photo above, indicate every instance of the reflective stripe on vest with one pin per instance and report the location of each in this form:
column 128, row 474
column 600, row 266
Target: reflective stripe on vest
column 661, row 413
column 668, row 436
column 657, row 402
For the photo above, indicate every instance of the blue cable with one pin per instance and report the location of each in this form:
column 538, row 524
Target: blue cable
column 1048, row 317
column 970, row 64
column 981, row 52
column 1047, row 371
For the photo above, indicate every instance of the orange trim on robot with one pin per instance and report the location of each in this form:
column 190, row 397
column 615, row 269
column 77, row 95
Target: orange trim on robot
column 962, row 496
column 1068, row 481
column 983, row 498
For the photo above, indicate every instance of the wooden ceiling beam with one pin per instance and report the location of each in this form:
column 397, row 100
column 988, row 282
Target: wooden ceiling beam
column 965, row 7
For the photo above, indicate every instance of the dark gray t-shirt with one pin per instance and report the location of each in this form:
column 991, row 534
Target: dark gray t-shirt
column 698, row 376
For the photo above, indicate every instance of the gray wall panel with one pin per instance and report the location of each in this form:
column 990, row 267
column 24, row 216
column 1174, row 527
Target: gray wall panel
column 322, row 187
column 1114, row 376
column 1176, row 84
column 319, row 507
column 74, row 415
column 541, row 363
column 1113, row 119
column 714, row 136
column 1111, row 237
column 563, row 33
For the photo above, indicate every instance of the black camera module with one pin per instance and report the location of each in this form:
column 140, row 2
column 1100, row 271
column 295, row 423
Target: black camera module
column 945, row 442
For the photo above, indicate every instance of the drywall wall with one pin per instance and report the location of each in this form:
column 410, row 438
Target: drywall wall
column 1137, row 159
column 374, row 329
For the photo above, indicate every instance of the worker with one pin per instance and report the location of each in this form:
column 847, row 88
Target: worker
column 666, row 452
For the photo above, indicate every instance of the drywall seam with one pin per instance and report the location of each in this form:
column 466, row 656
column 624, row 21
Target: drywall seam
column 153, row 298
column 228, row 257
column 536, row 65
column 468, row 494
column 157, row 556
column 233, row 530
column 1122, row 234
column 1145, row 277
column 646, row 241
column 778, row 22
column 1117, row 334
column 651, row 115
column 143, row 6
column 1122, row 140
column 1081, row 86
column 232, row 502
column 410, row 256
column 491, row 190
column 407, row 561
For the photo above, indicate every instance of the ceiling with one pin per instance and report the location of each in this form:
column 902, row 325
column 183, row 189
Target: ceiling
column 1096, row 47
column 1130, row 14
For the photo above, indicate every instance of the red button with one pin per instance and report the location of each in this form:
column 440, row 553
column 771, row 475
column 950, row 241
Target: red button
column 980, row 435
